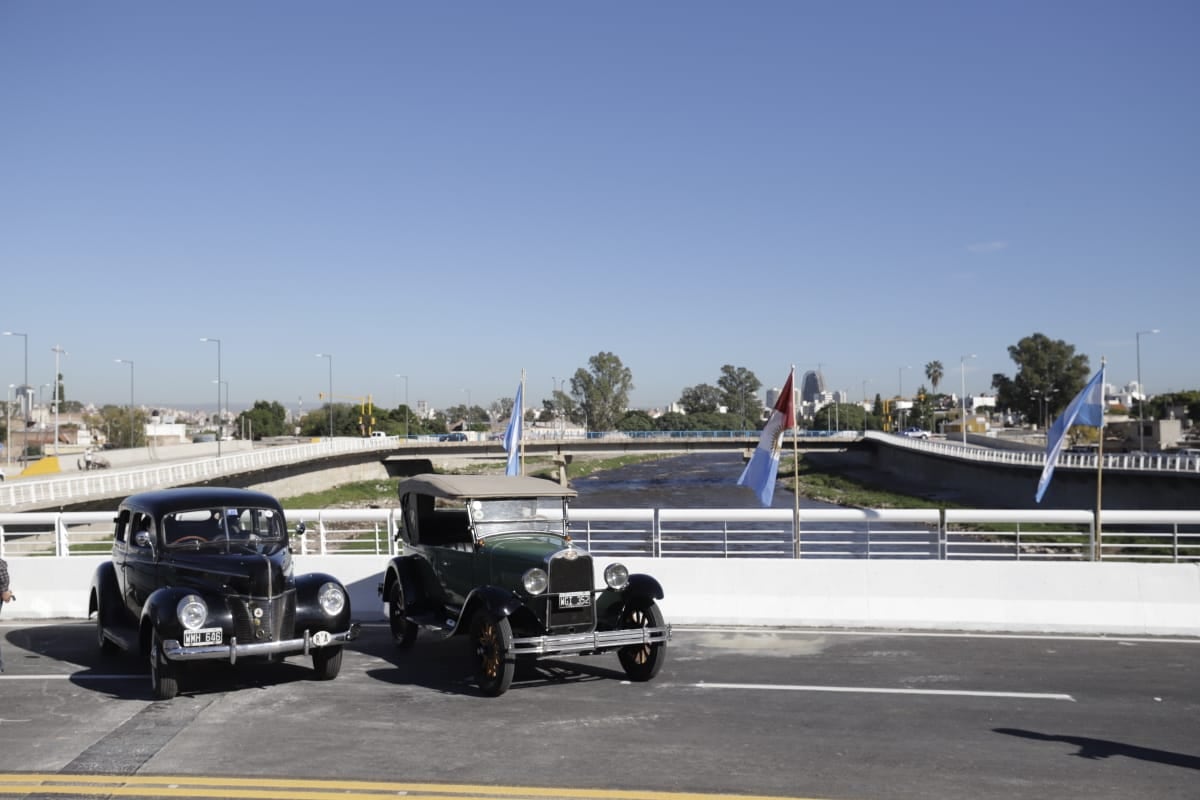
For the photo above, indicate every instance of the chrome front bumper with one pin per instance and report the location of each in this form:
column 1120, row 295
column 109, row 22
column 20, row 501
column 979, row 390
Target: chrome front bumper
column 593, row 642
column 231, row 652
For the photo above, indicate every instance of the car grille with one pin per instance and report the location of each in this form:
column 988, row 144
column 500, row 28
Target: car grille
column 570, row 575
column 262, row 619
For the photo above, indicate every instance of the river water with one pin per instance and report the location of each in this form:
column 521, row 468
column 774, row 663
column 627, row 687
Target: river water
column 699, row 480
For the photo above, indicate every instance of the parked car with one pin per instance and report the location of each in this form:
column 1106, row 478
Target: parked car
column 915, row 433
column 457, row 436
column 200, row 574
column 491, row 557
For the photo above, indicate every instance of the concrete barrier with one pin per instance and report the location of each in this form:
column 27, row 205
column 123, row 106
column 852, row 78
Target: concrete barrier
column 1059, row 597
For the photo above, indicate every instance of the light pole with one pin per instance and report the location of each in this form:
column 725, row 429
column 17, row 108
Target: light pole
column 962, row 368
column 8, row 425
column 864, row 391
column 467, row 416
column 900, row 382
column 1141, row 391
column 405, row 405
column 330, row 357
column 219, row 383
column 24, row 336
column 130, row 363
column 58, row 351
column 219, row 420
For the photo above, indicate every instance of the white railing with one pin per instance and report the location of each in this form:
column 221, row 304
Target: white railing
column 837, row 533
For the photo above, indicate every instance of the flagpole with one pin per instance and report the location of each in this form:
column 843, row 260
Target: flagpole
column 1097, row 548
column 795, row 469
column 521, row 412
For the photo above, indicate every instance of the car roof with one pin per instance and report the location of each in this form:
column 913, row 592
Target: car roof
column 189, row 497
column 482, row 486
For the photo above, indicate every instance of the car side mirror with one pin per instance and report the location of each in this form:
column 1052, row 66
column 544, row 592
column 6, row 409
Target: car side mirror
column 142, row 539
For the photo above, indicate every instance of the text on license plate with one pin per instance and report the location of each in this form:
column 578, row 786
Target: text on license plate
column 202, row 636
column 574, row 599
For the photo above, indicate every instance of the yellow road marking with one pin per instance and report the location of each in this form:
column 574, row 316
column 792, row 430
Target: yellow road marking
column 304, row 789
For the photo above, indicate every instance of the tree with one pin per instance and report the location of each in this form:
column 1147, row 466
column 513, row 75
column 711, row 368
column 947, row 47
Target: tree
column 672, row 421
column 635, row 421
column 602, row 391
column 934, row 372
column 114, row 421
column 700, row 398
column 1049, row 375
column 739, row 387
column 264, row 419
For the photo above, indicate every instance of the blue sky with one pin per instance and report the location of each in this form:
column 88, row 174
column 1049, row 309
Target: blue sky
column 459, row 191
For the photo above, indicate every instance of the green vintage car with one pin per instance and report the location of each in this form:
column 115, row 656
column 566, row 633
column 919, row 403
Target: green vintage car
column 491, row 557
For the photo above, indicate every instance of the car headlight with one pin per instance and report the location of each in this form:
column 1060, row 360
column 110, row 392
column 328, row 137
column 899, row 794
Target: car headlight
column 616, row 576
column 332, row 599
column 192, row 612
column 535, row 580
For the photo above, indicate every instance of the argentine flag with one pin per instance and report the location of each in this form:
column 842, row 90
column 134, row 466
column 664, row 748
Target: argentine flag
column 1086, row 409
column 760, row 473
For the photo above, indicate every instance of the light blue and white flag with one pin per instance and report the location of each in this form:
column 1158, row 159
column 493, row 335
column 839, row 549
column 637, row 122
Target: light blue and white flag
column 760, row 473
column 512, row 434
column 1086, row 409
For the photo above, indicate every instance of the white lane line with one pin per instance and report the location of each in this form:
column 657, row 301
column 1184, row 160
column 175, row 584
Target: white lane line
column 865, row 633
column 882, row 690
column 75, row 676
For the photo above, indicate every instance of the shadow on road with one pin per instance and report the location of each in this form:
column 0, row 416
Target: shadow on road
column 1103, row 748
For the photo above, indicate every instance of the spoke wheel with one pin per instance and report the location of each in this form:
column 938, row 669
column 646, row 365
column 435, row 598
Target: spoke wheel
column 163, row 680
column 404, row 632
column 494, row 660
column 327, row 662
column 642, row 662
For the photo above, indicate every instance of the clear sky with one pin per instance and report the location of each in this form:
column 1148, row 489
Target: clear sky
column 458, row 191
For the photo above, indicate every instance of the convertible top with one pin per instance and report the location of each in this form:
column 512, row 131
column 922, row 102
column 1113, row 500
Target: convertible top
column 465, row 487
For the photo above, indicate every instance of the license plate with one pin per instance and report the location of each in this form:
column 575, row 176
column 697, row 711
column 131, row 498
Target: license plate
column 574, row 599
column 202, row 636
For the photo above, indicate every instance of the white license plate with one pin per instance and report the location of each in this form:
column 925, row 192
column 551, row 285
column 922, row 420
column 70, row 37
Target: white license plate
column 574, row 599
column 202, row 636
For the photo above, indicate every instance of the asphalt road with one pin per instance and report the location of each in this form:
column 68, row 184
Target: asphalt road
column 792, row 713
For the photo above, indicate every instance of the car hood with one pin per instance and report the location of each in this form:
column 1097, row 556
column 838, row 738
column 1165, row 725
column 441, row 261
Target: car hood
column 510, row 555
column 248, row 574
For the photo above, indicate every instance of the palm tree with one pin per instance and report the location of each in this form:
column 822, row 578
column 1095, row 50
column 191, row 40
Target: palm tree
column 934, row 372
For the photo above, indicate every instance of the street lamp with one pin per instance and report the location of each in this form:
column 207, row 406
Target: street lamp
column 900, row 381
column 219, row 420
column 24, row 336
column 58, row 351
column 1141, row 391
column 330, row 357
column 864, row 390
column 467, row 416
column 405, row 405
column 130, row 363
column 8, row 424
column 962, row 368
column 219, row 383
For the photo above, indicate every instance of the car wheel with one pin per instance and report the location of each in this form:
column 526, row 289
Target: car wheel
column 163, row 680
column 327, row 661
column 642, row 662
column 404, row 632
column 107, row 647
column 494, row 660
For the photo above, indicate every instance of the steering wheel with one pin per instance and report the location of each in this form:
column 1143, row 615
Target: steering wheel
column 193, row 538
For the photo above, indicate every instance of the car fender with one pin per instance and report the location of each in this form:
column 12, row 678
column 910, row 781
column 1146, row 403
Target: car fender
column 611, row 602
column 309, row 614
column 159, row 611
column 105, row 590
column 406, row 570
column 499, row 603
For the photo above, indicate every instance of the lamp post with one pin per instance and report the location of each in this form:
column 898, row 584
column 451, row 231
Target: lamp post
column 330, row 357
column 58, row 351
column 24, row 336
column 900, row 382
column 962, row 368
column 1141, row 391
column 130, row 363
column 219, row 384
column 405, row 405
column 219, row 420
column 8, row 425
column 467, row 416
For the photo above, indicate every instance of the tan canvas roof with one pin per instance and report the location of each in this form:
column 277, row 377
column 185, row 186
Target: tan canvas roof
column 482, row 486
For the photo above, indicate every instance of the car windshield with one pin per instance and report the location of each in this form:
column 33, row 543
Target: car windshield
column 222, row 526
column 524, row 514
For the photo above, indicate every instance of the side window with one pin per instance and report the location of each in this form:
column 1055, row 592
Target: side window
column 121, row 526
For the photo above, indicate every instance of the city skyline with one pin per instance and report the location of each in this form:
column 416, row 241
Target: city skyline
column 457, row 194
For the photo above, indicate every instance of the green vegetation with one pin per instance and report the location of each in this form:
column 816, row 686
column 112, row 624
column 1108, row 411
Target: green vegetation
column 361, row 494
column 829, row 487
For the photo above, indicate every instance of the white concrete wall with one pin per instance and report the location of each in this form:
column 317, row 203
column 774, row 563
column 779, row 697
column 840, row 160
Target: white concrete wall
column 1118, row 598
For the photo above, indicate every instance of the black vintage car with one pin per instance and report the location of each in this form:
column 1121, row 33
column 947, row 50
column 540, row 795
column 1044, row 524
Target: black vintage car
column 491, row 557
column 206, row 573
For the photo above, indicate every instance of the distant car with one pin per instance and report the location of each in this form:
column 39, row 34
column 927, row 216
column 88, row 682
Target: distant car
column 915, row 433
column 378, row 435
column 457, row 436
column 205, row 573
column 490, row 557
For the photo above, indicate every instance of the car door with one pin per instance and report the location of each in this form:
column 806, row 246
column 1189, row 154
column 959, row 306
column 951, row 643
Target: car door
column 141, row 563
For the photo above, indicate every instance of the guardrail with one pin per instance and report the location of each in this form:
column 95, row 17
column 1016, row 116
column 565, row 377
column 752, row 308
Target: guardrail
column 838, row 533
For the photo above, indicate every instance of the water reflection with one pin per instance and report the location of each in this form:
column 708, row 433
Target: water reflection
column 700, row 480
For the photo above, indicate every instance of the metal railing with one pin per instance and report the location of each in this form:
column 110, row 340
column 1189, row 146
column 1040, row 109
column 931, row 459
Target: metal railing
column 950, row 534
